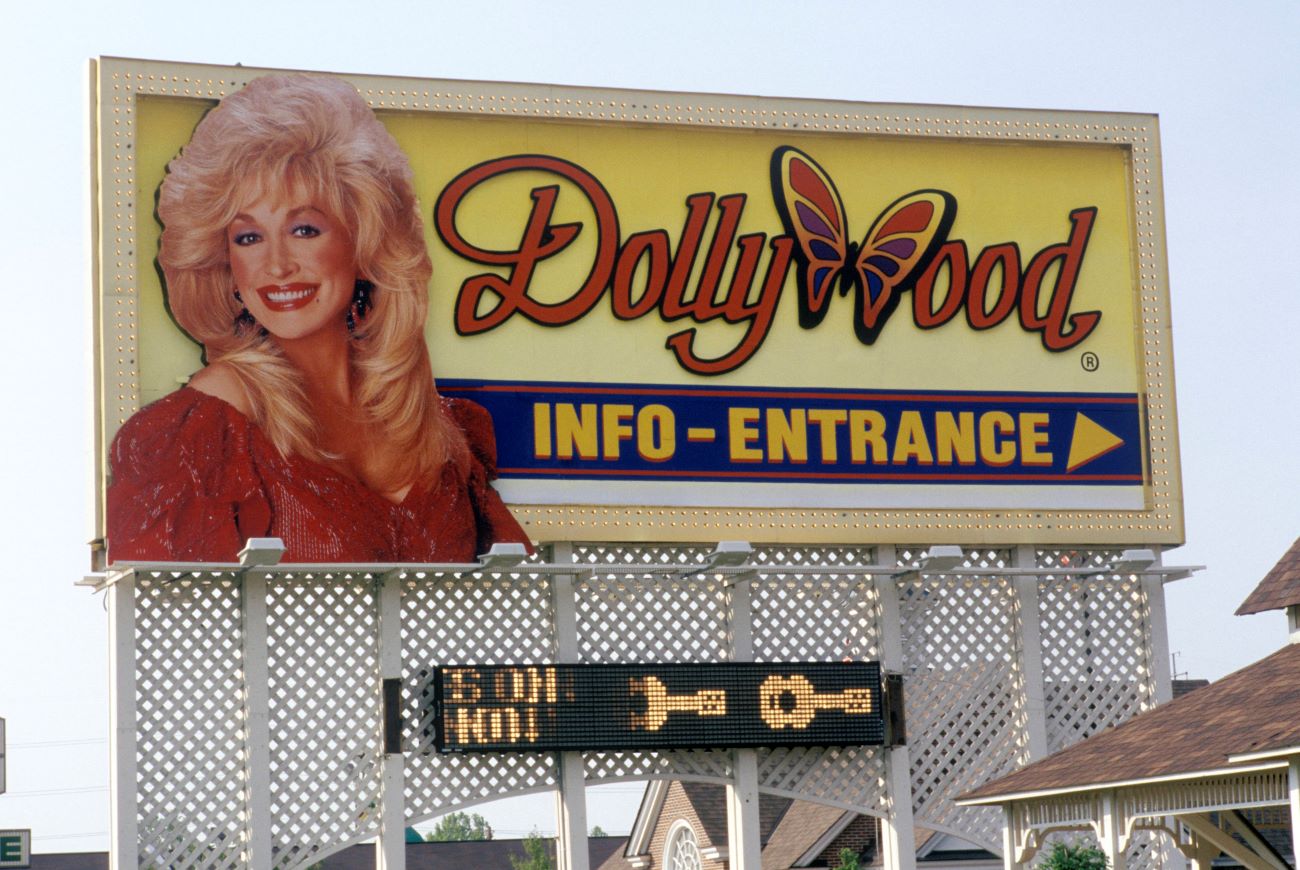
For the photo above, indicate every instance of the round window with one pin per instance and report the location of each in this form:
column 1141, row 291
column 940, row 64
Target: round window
column 683, row 852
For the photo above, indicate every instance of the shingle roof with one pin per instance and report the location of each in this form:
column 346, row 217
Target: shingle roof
column 1280, row 587
column 617, row 861
column 1256, row 709
column 787, row 828
column 710, row 802
column 801, row 826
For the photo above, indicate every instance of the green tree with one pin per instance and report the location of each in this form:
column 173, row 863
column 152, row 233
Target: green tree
column 598, row 831
column 535, row 857
column 1066, row 857
column 459, row 827
column 848, row 860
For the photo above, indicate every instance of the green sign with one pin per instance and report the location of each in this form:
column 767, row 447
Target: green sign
column 16, row 848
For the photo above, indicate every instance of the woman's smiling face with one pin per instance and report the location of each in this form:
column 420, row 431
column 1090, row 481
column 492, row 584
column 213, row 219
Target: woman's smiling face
column 294, row 266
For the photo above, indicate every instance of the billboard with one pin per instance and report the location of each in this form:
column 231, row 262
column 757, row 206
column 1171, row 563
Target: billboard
column 695, row 317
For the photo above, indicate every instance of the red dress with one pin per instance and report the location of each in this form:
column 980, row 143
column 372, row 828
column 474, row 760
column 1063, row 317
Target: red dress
column 193, row 479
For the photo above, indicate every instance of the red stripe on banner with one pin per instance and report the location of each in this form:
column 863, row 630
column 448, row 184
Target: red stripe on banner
column 825, row 475
column 768, row 394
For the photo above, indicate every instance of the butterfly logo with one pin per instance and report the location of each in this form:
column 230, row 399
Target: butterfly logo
column 897, row 248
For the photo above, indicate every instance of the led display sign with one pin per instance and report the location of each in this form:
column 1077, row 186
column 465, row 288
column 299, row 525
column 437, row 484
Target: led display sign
column 662, row 706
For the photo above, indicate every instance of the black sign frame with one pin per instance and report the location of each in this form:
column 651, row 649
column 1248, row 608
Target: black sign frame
column 648, row 706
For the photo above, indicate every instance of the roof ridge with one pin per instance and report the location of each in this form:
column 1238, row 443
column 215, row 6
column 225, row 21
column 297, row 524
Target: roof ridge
column 1280, row 587
column 1250, row 710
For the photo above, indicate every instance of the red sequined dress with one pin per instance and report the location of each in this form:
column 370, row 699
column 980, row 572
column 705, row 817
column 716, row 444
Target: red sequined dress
column 193, row 479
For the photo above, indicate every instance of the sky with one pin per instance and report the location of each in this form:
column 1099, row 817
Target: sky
column 1223, row 78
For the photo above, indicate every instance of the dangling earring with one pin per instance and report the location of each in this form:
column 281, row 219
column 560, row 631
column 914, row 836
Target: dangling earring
column 243, row 320
column 361, row 303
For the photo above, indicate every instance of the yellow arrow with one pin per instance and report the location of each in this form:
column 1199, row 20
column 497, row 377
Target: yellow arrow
column 1089, row 441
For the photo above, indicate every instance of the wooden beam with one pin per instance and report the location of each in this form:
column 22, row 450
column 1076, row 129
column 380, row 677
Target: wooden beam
column 1241, row 826
column 1204, row 828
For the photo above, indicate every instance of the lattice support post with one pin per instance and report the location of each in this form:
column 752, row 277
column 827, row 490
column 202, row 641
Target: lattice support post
column 571, row 798
column 257, row 721
column 1031, row 653
column 1112, row 831
column 122, row 772
column 743, row 834
column 897, row 833
column 1199, row 852
column 1009, row 838
column 1293, row 803
column 1203, row 853
column 744, row 847
column 390, row 845
column 1154, row 587
column 571, row 814
column 1162, row 684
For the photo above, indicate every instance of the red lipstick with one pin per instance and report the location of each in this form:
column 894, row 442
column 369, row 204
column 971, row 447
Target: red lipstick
column 287, row 297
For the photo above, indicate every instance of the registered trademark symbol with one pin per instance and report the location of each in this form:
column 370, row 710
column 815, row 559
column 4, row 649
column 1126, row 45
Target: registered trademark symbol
column 1089, row 361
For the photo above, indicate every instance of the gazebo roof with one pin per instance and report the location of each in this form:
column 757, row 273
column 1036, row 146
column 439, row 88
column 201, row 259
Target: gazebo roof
column 1228, row 725
column 1280, row 587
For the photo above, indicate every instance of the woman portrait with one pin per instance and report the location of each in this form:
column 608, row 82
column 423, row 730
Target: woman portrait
column 293, row 251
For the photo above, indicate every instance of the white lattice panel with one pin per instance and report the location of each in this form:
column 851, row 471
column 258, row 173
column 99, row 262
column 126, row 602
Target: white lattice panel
column 324, row 704
column 666, row 617
column 702, row 765
column 1148, row 851
column 852, row 777
column 685, row 618
column 654, row 618
column 1096, row 647
column 964, row 690
column 826, row 617
column 813, row 557
column 822, row 617
column 437, row 784
column 816, row 619
column 960, row 636
column 684, row 556
column 972, row 557
column 190, row 772
column 449, row 619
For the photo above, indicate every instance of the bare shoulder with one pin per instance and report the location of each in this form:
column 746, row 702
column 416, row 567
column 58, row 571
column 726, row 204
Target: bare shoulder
column 219, row 380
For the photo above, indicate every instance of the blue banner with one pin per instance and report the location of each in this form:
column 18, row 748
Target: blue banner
column 631, row 432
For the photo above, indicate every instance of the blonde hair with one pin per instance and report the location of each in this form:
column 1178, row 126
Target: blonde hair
column 289, row 133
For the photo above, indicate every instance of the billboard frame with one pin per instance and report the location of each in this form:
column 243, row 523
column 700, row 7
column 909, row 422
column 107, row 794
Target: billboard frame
column 117, row 83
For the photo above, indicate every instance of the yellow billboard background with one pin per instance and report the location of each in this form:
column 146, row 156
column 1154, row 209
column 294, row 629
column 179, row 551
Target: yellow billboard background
column 1005, row 191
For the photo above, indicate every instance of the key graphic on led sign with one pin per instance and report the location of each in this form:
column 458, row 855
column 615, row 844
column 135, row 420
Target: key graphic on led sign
column 778, row 714
column 705, row 702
